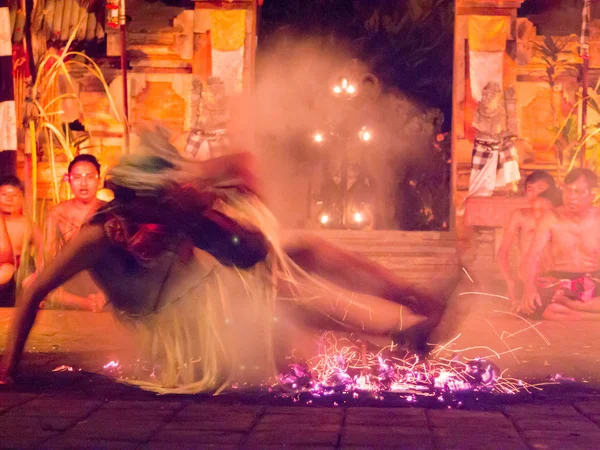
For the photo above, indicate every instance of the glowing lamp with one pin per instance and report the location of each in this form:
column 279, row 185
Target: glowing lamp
column 365, row 135
column 105, row 195
column 337, row 90
column 358, row 217
column 351, row 90
column 324, row 219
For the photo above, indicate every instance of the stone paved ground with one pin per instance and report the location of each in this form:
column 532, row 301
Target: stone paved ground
column 79, row 409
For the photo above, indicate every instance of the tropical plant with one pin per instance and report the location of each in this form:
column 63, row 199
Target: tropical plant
column 43, row 116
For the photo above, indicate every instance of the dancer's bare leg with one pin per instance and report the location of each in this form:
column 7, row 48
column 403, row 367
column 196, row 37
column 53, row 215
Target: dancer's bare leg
column 356, row 273
column 352, row 311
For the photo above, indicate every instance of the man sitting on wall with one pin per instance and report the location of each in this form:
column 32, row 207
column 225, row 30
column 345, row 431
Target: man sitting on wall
column 569, row 290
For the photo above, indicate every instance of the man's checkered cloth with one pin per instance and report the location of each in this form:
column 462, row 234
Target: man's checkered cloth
column 484, row 150
column 198, row 140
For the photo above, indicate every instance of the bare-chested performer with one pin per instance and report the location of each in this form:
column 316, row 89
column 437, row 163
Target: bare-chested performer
column 192, row 257
column 18, row 236
column 569, row 289
column 64, row 222
column 521, row 226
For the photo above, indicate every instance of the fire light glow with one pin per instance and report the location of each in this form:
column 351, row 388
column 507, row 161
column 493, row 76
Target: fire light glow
column 343, row 367
column 324, row 219
column 318, row 137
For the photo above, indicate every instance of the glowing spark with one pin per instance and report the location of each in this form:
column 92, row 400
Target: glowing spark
column 111, row 365
column 63, row 368
column 528, row 323
column 350, row 89
column 485, row 294
column 468, row 276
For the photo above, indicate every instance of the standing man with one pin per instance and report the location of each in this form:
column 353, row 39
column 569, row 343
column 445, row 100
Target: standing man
column 569, row 290
column 64, row 223
column 521, row 226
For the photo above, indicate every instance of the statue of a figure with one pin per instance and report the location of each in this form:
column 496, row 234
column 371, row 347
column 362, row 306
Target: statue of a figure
column 209, row 134
column 495, row 160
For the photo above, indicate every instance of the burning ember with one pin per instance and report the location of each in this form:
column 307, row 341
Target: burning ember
column 345, row 368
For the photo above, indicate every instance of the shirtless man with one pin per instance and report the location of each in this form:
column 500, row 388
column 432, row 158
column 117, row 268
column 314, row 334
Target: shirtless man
column 16, row 233
column 569, row 290
column 64, row 223
column 521, row 226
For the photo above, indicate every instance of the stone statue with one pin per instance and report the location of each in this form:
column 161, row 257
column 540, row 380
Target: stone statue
column 495, row 160
column 209, row 134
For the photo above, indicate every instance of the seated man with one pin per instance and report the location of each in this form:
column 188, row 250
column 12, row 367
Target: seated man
column 568, row 289
column 64, row 223
column 522, row 225
column 17, row 233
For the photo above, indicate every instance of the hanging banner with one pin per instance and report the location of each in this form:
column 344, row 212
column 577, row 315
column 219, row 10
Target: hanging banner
column 8, row 121
column 227, row 29
column 484, row 68
column 228, row 67
column 488, row 33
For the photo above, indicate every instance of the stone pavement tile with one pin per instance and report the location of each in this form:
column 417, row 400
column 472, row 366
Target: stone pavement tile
column 121, row 429
column 492, row 433
column 302, row 437
column 139, row 405
column 275, row 420
column 61, row 442
column 198, row 437
column 378, row 440
column 199, row 411
column 241, row 423
column 402, row 417
column 185, row 446
column 539, row 411
column 302, row 410
column 479, row 442
column 581, row 424
column 294, row 447
column 11, row 425
column 10, row 399
column 293, row 428
column 364, row 435
column 589, row 407
column 21, row 442
column 560, row 434
column 563, row 444
column 468, row 419
column 132, row 414
column 401, row 444
column 56, row 406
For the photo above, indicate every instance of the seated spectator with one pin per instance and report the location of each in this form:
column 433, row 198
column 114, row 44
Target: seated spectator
column 19, row 239
column 64, row 223
column 522, row 224
column 568, row 288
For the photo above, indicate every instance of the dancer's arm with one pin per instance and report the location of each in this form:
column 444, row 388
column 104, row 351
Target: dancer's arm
column 510, row 233
column 531, row 298
column 7, row 259
column 81, row 253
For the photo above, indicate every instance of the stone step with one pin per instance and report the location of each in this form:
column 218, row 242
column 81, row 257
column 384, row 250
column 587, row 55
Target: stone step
column 158, row 38
column 166, row 62
column 139, row 51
